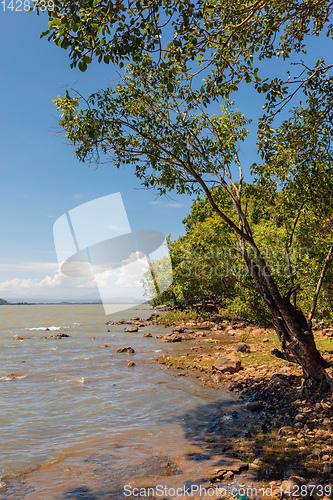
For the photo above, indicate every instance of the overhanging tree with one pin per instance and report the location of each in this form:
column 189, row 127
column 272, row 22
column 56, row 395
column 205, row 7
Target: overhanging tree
column 174, row 144
column 224, row 41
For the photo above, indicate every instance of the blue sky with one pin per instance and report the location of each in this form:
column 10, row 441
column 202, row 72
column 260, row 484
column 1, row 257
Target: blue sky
column 40, row 178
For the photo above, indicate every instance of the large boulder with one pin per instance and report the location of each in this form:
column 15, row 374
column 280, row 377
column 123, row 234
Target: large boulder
column 229, row 364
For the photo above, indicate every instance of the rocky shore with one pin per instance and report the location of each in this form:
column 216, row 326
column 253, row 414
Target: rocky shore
column 284, row 438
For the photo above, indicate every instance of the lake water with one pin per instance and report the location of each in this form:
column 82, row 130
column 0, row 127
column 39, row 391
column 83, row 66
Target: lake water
column 74, row 396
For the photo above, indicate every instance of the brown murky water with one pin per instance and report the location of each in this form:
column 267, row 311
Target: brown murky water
column 77, row 423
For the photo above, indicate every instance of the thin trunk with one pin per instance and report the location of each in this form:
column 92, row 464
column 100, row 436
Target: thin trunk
column 319, row 284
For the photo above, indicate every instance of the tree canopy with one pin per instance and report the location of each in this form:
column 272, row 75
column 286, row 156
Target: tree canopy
column 224, row 42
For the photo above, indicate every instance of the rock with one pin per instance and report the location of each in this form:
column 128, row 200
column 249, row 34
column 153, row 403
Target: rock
column 131, row 363
column 327, row 422
column 60, row 335
column 172, row 337
column 236, row 386
column 232, row 332
column 105, row 345
column 227, row 364
column 287, row 430
column 265, row 339
column 159, row 336
column 163, row 307
column 186, row 336
column 327, row 468
column 313, row 487
column 135, row 319
column 163, row 358
column 147, row 334
column 226, row 465
column 257, row 331
column 241, row 347
column 292, row 485
column 179, row 329
column 18, row 338
column 299, row 417
column 254, row 406
column 256, row 465
column 131, row 329
column 279, row 379
column 126, row 349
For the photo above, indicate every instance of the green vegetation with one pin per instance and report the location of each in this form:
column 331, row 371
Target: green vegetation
column 177, row 316
column 208, row 267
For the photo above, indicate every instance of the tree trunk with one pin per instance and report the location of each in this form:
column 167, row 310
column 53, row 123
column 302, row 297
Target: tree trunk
column 295, row 335
column 298, row 346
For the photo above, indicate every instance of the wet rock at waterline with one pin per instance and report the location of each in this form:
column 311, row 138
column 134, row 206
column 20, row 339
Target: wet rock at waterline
column 131, row 329
column 128, row 349
column 227, row 364
column 172, row 337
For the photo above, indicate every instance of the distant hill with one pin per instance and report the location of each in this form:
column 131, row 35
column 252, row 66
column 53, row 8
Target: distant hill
column 4, row 302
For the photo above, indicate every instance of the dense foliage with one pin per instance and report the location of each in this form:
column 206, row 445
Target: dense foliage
column 209, row 269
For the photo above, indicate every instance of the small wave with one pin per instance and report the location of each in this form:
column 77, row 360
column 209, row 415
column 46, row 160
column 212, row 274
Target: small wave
column 12, row 377
column 45, row 328
column 76, row 324
column 79, row 380
column 158, row 350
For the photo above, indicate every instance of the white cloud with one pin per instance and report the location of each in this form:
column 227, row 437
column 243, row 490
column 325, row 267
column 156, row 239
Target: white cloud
column 121, row 282
column 176, row 205
column 55, row 286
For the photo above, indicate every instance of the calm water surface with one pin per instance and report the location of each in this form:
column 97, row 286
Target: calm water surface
column 72, row 392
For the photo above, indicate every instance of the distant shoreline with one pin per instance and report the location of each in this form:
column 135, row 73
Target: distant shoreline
column 5, row 303
column 69, row 303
